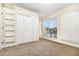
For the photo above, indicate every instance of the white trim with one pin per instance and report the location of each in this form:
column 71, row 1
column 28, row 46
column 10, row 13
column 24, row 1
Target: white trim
column 61, row 41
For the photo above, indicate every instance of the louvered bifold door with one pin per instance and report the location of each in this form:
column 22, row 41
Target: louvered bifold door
column 8, row 26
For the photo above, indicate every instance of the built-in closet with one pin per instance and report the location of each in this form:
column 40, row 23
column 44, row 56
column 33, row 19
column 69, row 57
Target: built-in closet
column 18, row 25
column 26, row 26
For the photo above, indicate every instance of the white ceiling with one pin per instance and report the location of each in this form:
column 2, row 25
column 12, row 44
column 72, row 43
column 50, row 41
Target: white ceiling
column 43, row 8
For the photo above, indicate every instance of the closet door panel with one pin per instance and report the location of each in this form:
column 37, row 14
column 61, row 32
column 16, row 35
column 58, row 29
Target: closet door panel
column 19, row 28
column 28, row 29
column 26, row 26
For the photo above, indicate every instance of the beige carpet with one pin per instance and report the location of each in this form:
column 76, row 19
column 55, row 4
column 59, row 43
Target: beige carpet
column 40, row 48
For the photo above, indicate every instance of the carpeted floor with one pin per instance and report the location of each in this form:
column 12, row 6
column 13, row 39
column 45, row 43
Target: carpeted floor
column 40, row 48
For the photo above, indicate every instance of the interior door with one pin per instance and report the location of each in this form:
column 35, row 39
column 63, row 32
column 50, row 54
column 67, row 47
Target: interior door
column 28, row 28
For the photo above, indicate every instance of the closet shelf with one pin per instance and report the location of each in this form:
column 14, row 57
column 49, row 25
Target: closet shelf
column 9, row 41
column 9, row 25
column 9, row 36
column 9, row 22
column 13, row 14
column 7, row 44
column 10, row 30
column 9, row 19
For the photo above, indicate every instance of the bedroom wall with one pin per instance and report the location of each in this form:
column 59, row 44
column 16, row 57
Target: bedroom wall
column 59, row 13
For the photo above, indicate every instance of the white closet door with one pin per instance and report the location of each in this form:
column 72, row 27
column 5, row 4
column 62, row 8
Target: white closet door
column 19, row 28
column 69, row 27
column 28, row 28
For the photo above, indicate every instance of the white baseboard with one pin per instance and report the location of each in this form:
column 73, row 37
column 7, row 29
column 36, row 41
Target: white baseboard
column 62, row 42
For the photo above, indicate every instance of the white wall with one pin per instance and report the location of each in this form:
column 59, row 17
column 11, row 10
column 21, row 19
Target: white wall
column 70, row 27
column 71, row 19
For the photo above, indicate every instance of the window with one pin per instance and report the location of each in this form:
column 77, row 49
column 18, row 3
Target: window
column 53, row 27
column 50, row 27
column 46, row 28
